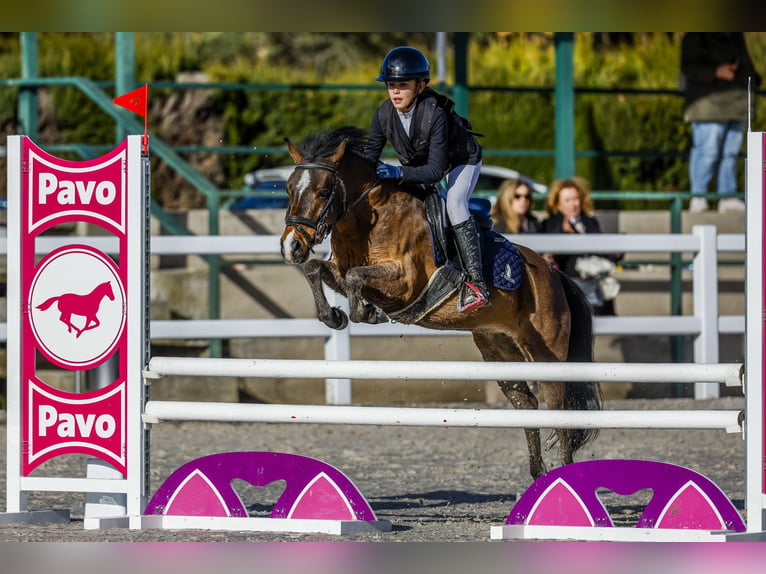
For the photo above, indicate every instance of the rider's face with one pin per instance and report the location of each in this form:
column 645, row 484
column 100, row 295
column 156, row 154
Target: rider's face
column 402, row 94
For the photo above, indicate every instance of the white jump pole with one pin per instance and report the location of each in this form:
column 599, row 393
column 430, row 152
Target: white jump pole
column 159, row 411
column 731, row 374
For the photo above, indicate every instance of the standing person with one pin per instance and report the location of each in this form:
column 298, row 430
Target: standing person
column 716, row 68
column 512, row 211
column 417, row 127
column 570, row 208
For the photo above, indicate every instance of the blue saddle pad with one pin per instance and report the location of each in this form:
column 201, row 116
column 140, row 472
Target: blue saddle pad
column 502, row 262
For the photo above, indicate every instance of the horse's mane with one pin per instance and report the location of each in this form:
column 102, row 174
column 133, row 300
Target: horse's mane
column 320, row 145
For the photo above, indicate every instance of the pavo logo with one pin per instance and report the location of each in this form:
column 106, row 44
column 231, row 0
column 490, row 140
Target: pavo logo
column 77, row 318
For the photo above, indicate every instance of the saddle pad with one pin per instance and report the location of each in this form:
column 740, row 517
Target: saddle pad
column 502, row 263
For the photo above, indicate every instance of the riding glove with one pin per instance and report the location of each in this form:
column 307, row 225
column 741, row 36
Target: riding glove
column 387, row 171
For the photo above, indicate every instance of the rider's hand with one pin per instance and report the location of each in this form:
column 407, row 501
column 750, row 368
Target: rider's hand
column 387, row 171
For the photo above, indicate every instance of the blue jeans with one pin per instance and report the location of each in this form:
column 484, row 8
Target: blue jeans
column 715, row 149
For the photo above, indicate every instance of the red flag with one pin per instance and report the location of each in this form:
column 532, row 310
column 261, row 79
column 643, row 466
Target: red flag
column 135, row 101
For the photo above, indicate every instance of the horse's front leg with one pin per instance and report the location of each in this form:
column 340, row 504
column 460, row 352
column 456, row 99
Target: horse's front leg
column 318, row 272
column 382, row 282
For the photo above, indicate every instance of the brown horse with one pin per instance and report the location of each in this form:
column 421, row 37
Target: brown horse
column 382, row 260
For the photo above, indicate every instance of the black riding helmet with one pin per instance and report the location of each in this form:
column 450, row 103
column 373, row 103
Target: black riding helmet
column 404, row 63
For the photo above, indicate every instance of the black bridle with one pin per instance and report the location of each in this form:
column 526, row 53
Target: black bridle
column 320, row 225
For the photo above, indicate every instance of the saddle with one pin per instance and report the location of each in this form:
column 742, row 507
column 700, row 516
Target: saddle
column 501, row 261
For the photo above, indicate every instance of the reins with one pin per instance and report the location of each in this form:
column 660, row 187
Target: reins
column 322, row 229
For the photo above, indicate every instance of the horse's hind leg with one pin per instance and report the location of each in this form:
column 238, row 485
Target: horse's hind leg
column 521, row 397
column 502, row 347
column 553, row 394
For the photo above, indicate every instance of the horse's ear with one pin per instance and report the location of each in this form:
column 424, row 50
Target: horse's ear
column 294, row 153
column 338, row 153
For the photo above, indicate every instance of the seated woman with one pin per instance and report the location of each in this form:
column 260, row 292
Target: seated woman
column 512, row 211
column 570, row 209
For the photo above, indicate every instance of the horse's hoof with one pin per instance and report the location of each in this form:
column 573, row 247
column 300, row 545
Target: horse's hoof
column 375, row 316
column 340, row 319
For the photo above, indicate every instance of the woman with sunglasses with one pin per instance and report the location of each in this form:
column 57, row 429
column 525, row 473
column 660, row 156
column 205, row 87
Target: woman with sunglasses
column 512, row 211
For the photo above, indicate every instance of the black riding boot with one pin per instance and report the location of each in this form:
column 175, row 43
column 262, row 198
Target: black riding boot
column 473, row 293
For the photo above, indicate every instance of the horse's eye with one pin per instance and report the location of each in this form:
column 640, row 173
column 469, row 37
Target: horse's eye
column 324, row 193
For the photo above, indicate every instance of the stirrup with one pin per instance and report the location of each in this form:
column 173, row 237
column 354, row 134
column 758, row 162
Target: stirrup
column 471, row 298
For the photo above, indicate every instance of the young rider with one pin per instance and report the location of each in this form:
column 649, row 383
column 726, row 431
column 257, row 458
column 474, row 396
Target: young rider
column 426, row 157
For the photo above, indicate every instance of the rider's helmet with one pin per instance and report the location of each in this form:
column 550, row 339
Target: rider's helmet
column 404, row 63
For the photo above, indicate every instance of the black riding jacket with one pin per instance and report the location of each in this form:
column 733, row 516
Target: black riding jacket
column 425, row 155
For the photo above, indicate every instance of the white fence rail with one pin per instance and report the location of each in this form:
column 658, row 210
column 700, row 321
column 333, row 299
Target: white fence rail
column 705, row 324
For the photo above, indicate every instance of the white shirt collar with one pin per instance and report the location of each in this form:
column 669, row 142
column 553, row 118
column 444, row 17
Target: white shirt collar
column 406, row 118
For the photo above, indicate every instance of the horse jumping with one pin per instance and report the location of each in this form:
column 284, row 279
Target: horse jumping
column 81, row 305
column 383, row 260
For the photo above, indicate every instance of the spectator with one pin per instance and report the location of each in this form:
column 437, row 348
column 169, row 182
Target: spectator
column 570, row 209
column 715, row 71
column 512, row 211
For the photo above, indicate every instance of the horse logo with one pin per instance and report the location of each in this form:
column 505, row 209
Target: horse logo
column 86, row 306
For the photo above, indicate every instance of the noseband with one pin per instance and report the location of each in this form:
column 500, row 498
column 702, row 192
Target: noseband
column 321, row 226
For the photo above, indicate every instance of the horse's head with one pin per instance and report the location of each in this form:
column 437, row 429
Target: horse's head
column 106, row 289
column 317, row 201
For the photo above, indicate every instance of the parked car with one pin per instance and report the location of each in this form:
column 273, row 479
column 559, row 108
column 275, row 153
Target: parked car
column 265, row 188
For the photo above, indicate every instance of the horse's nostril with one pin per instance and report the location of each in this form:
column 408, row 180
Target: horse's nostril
column 297, row 249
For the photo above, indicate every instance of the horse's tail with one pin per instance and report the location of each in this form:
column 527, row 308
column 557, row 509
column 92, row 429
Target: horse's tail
column 580, row 395
column 43, row 306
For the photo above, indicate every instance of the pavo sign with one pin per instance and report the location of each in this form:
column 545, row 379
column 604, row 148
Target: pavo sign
column 74, row 304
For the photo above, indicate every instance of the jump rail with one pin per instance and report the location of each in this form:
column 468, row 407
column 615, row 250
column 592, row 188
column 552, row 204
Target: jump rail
column 158, row 411
column 728, row 373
